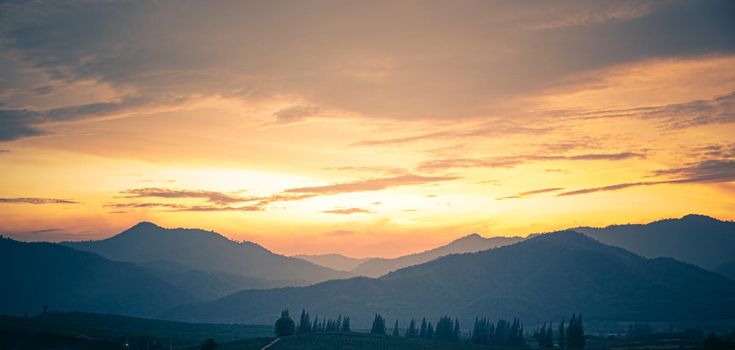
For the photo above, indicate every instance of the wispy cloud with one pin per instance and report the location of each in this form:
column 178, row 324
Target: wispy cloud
column 347, row 211
column 708, row 171
column 512, row 161
column 32, row 200
column 531, row 193
column 295, row 114
column 211, row 196
column 373, row 184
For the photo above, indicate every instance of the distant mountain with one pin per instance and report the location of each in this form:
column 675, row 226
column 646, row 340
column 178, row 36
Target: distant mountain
column 334, row 261
column 206, row 251
column 37, row 274
column 543, row 278
column 695, row 239
column 727, row 270
column 207, row 285
column 468, row 244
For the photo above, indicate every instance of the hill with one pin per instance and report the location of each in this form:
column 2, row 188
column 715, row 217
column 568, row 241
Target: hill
column 695, row 239
column 37, row 274
column 727, row 270
column 206, row 251
column 468, row 244
column 334, row 261
column 543, row 278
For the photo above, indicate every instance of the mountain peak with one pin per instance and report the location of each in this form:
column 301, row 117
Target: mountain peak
column 145, row 225
column 470, row 237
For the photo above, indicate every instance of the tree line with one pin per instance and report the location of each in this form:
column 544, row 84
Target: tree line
column 571, row 336
column 501, row 333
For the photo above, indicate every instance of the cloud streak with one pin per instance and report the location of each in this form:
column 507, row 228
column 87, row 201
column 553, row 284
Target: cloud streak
column 531, row 193
column 373, row 184
column 347, row 211
column 708, row 171
column 512, row 161
column 36, row 201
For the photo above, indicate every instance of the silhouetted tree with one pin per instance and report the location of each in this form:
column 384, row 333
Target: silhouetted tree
column 446, row 329
column 562, row 337
column 395, row 330
column 208, row 344
column 575, row 333
column 378, row 325
column 346, row 324
column 411, row 331
column 430, row 331
column 304, row 322
column 544, row 336
column 285, row 325
column 422, row 330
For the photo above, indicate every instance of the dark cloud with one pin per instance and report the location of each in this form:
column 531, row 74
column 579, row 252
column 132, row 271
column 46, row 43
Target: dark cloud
column 18, row 123
column 531, row 193
column 347, row 211
column 374, row 184
column 32, row 200
column 512, row 161
column 708, row 171
column 441, row 58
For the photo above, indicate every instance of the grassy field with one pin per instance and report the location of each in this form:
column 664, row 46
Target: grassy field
column 121, row 329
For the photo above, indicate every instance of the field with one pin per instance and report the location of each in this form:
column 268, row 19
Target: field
column 120, row 329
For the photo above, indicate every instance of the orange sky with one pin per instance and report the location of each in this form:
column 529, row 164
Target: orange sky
column 365, row 129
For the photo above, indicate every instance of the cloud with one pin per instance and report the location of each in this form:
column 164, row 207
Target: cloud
column 374, row 169
column 184, row 207
column 499, row 127
column 718, row 110
column 373, row 184
column 32, row 200
column 295, row 113
column 530, row 193
column 445, row 60
column 512, row 161
column 347, row 211
column 707, row 171
column 211, row 196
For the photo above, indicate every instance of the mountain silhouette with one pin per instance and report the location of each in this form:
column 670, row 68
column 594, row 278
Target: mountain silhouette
column 37, row 274
column 727, row 269
column 542, row 278
column 333, row 261
column 468, row 244
column 695, row 239
column 208, row 251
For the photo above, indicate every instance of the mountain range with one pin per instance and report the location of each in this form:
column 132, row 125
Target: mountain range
column 543, row 278
column 468, row 244
column 37, row 274
column 199, row 250
column 196, row 275
column 695, row 239
column 333, row 261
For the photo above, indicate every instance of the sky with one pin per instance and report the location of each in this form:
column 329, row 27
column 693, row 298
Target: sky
column 371, row 128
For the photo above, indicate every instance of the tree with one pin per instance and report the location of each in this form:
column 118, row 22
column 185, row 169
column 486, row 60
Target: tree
column 422, row 330
column 411, row 331
column 346, row 324
column 562, row 337
column 304, row 322
column 430, row 331
column 208, row 344
column 395, row 330
column 455, row 331
column 575, row 333
column 378, row 325
column 285, row 325
column 446, row 329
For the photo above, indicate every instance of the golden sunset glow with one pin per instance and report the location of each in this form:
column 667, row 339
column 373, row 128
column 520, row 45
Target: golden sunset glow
column 318, row 137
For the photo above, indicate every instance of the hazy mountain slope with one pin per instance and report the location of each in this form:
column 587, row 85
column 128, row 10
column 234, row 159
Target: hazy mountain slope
column 207, row 285
column 334, row 261
column 694, row 239
column 206, row 251
column 544, row 278
column 468, row 244
column 35, row 274
column 727, row 270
